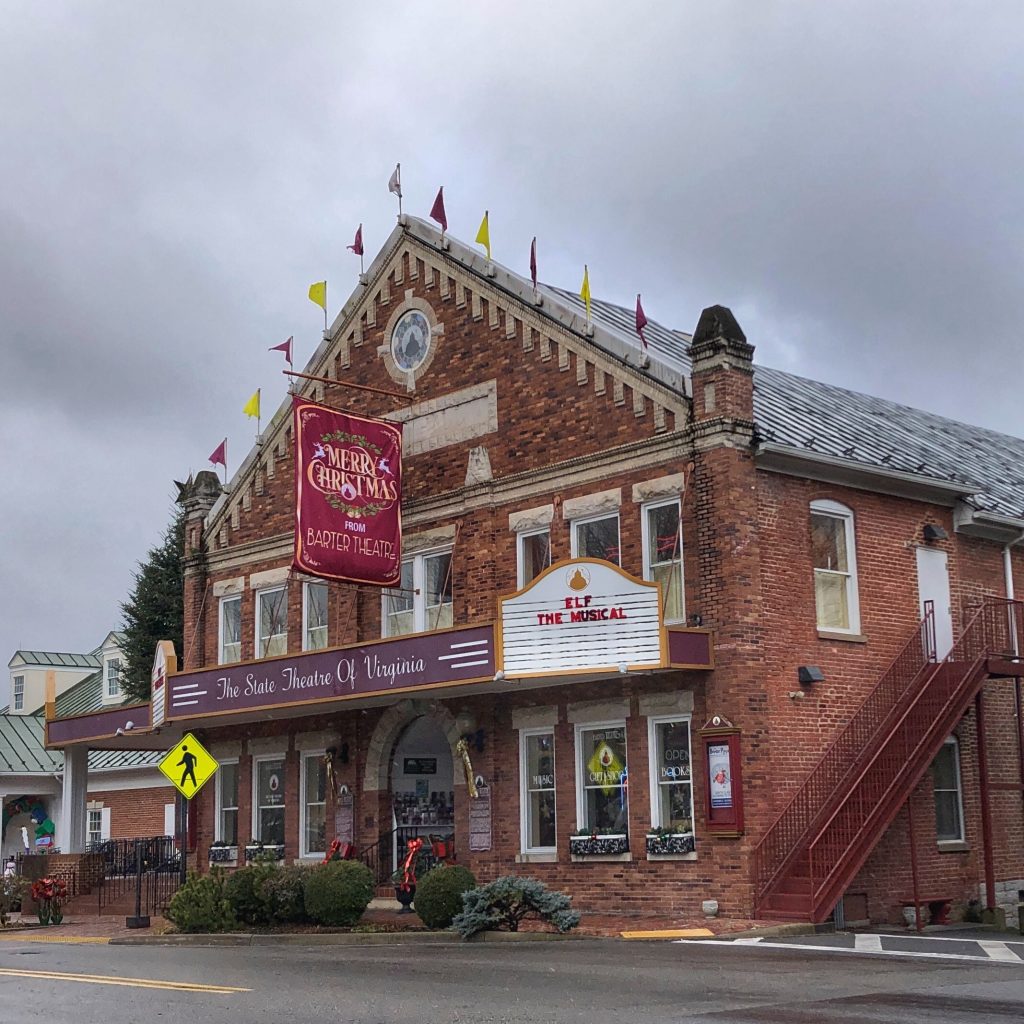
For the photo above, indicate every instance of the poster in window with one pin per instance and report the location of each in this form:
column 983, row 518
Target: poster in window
column 348, row 496
column 719, row 775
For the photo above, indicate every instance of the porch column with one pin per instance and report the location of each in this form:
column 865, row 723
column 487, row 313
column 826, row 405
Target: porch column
column 71, row 829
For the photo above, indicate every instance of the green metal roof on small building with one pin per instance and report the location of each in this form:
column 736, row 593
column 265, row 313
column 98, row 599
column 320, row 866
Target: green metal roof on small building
column 83, row 697
column 53, row 659
column 21, row 747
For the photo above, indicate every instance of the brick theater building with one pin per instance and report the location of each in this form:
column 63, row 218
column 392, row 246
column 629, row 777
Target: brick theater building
column 692, row 629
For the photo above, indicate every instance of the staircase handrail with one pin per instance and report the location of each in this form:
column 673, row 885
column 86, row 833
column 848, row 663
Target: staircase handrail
column 990, row 632
column 781, row 841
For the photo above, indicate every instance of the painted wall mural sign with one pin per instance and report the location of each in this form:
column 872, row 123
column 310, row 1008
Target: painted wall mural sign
column 384, row 666
column 348, row 495
column 579, row 616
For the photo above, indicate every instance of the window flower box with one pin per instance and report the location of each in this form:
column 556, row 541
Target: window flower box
column 598, row 845
column 670, row 843
column 221, row 853
column 259, row 851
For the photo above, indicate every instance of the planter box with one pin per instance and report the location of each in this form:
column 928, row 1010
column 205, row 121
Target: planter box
column 264, row 853
column 223, row 854
column 676, row 843
column 590, row 846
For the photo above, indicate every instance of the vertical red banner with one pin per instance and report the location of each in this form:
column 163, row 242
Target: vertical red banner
column 348, row 496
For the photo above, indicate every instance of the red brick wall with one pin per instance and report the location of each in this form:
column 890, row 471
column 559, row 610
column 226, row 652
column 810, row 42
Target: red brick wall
column 135, row 812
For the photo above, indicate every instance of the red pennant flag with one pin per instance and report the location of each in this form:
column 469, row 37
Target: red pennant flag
column 220, row 454
column 357, row 245
column 285, row 347
column 641, row 322
column 437, row 210
column 533, row 262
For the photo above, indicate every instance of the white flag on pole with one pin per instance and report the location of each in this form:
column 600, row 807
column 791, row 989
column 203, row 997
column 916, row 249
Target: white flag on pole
column 395, row 181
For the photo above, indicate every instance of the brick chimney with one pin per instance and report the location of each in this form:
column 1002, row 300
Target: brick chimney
column 197, row 497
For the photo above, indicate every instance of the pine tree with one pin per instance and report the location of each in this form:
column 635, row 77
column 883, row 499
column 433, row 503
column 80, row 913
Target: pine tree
column 154, row 611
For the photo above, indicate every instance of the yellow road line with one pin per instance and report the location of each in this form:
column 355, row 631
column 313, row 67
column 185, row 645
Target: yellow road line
column 670, row 933
column 105, row 979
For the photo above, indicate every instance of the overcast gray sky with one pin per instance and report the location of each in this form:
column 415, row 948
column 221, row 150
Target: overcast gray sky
column 847, row 176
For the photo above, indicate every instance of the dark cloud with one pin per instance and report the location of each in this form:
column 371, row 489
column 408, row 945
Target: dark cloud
column 172, row 177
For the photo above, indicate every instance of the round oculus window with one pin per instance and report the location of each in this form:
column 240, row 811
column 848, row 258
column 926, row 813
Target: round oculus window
column 410, row 340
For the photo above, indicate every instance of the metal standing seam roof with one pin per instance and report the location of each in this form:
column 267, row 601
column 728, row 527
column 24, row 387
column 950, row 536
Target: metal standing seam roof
column 816, row 418
column 84, row 696
column 51, row 659
column 21, row 747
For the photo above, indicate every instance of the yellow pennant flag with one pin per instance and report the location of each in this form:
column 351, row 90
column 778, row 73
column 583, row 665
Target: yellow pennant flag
column 252, row 407
column 318, row 294
column 585, row 290
column 483, row 236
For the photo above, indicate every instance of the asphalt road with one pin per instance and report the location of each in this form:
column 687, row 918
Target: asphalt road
column 587, row 981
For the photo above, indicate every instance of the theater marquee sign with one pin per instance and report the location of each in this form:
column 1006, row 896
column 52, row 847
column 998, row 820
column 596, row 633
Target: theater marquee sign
column 584, row 615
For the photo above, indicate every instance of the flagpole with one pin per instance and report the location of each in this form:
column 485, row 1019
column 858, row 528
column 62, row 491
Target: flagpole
column 259, row 403
column 325, row 308
column 398, row 167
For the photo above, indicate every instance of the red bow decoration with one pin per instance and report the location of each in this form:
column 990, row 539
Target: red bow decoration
column 409, row 867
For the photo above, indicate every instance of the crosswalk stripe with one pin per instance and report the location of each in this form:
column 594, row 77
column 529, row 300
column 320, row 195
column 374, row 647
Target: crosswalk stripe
column 867, row 943
column 999, row 951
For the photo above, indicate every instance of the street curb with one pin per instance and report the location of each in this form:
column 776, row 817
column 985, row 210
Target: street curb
column 769, row 931
column 336, row 939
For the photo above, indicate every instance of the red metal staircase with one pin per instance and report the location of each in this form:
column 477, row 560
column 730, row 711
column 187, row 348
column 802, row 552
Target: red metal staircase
column 823, row 836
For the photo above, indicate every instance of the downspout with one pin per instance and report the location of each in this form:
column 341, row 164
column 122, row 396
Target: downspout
column 1015, row 640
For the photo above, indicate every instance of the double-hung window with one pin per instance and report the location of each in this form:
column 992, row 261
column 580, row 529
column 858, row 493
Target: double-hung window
column 314, row 616
column 537, row 790
column 313, row 805
column 268, row 800
column 271, row 622
column 663, row 554
column 95, row 827
column 533, row 551
column 835, row 567
column 19, row 693
column 226, row 827
column 114, row 677
column 597, row 537
column 424, row 600
column 671, row 776
column 602, row 793
column 230, row 630
column 949, row 807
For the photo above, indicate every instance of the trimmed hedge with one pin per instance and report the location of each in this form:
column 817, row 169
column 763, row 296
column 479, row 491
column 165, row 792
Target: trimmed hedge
column 244, row 891
column 200, row 905
column 439, row 894
column 338, row 893
column 283, row 893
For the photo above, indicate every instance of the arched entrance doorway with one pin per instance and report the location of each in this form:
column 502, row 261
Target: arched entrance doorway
column 422, row 787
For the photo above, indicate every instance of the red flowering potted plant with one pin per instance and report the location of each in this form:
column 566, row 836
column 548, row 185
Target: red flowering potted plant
column 49, row 895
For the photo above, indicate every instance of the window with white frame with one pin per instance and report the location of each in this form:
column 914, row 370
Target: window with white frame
column 671, row 776
column 597, row 537
column 663, row 554
column 271, row 622
column 114, row 677
column 602, row 794
column 533, row 551
column 835, row 567
column 537, row 790
column 230, row 629
column 268, row 800
column 424, row 600
column 95, row 826
column 227, row 803
column 19, row 693
column 313, row 826
column 949, row 805
column 314, row 616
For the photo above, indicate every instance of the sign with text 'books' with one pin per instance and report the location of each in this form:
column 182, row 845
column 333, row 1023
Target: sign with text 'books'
column 348, row 496
column 579, row 616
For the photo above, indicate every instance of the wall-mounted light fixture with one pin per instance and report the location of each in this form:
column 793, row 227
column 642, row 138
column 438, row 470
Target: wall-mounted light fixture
column 807, row 674
column 696, row 619
column 932, row 532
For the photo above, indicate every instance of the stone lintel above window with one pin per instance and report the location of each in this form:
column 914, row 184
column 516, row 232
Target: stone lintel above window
column 269, row 578
column 663, row 487
column 657, row 705
column 531, row 519
column 227, row 588
column 535, row 718
column 592, row 504
column 442, row 536
column 598, row 711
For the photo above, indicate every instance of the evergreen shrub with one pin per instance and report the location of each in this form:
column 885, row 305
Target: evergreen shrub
column 244, row 891
column 504, row 903
column 200, row 905
column 439, row 894
column 338, row 893
column 283, row 895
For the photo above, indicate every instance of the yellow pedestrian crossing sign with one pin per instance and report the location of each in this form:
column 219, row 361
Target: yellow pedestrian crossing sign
column 189, row 766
